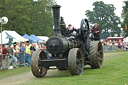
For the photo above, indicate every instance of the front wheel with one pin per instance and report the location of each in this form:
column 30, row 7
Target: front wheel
column 38, row 71
column 75, row 61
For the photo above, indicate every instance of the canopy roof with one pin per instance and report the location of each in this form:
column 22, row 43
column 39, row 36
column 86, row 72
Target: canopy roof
column 32, row 38
column 126, row 39
column 43, row 37
column 36, row 38
column 11, row 34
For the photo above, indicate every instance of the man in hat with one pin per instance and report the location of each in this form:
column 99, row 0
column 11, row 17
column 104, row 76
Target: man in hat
column 70, row 27
column 63, row 27
column 96, row 31
column 71, row 30
column 66, row 31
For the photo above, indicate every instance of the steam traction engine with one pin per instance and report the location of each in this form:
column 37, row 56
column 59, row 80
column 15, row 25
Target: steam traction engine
column 70, row 52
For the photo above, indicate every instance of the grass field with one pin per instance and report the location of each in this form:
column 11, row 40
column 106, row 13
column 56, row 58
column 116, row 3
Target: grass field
column 114, row 72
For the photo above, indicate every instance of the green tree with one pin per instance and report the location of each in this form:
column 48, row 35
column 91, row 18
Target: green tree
column 42, row 18
column 28, row 16
column 125, row 18
column 18, row 13
column 106, row 18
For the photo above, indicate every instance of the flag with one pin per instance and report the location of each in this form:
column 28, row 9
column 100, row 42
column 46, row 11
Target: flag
column 125, row 26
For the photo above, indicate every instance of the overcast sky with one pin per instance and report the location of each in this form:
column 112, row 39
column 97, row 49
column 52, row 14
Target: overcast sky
column 74, row 10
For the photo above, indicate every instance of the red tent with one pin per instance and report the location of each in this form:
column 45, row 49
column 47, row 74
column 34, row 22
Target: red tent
column 114, row 38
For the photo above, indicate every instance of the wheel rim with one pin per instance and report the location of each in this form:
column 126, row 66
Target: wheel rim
column 75, row 61
column 79, row 62
column 42, row 70
column 100, row 54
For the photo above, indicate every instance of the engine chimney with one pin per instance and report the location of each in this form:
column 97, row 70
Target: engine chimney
column 56, row 14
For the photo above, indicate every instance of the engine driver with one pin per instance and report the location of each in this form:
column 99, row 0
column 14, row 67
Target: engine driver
column 96, row 31
column 71, row 30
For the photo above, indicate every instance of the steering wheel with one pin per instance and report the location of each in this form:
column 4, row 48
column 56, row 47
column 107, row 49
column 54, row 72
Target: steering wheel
column 84, row 27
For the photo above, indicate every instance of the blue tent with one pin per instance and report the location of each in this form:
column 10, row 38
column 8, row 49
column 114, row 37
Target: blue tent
column 36, row 38
column 28, row 37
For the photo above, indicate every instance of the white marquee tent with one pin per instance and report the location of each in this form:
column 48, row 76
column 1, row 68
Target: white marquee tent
column 14, row 34
column 125, row 39
column 43, row 37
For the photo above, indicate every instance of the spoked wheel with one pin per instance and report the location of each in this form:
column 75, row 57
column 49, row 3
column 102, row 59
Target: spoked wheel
column 75, row 61
column 96, row 54
column 37, row 70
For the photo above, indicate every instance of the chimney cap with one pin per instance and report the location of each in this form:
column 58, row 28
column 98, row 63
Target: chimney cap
column 56, row 6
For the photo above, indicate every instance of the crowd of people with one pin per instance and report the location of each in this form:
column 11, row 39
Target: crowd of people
column 120, row 44
column 19, row 54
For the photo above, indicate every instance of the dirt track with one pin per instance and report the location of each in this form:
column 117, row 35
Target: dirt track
column 17, row 79
column 22, row 78
column 28, row 77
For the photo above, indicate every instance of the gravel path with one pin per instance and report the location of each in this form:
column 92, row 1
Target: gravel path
column 17, row 79
column 23, row 78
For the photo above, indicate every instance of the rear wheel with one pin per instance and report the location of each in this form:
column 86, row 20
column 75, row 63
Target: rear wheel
column 96, row 54
column 38, row 71
column 75, row 61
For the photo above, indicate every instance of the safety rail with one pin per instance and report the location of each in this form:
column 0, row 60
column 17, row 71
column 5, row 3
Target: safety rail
column 110, row 48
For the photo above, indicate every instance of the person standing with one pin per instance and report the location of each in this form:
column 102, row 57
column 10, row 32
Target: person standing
column 17, row 48
column 33, row 47
column 36, row 44
column 43, row 47
column 21, row 56
column 3, row 54
column 119, row 44
column 28, row 53
column 39, row 45
column 7, row 56
column 12, row 58
column 96, row 31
